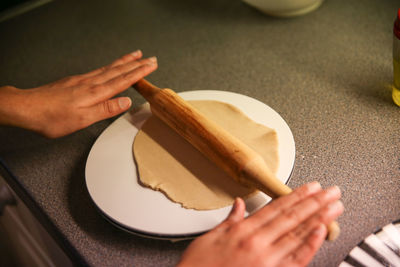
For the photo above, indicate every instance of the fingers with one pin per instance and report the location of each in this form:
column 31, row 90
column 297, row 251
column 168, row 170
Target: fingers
column 306, row 251
column 299, row 212
column 298, row 228
column 77, row 79
column 127, row 58
column 236, row 215
column 295, row 239
column 92, row 95
column 293, row 216
column 133, row 56
column 278, row 205
column 237, row 212
column 118, row 70
column 98, row 87
column 108, row 109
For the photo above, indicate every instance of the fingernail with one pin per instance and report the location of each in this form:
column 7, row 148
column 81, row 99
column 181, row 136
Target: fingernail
column 136, row 53
column 153, row 59
column 124, row 102
column 335, row 207
column 314, row 187
column 235, row 214
column 333, row 191
column 237, row 201
column 152, row 64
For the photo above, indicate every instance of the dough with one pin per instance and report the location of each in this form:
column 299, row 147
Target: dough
column 168, row 163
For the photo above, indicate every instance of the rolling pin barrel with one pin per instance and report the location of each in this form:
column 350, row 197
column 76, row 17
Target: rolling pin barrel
column 226, row 151
column 234, row 157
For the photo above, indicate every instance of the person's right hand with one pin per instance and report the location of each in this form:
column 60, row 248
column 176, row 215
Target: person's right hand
column 286, row 232
column 70, row 104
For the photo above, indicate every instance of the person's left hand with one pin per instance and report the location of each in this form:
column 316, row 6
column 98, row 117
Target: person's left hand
column 286, row 232
column 75, row 102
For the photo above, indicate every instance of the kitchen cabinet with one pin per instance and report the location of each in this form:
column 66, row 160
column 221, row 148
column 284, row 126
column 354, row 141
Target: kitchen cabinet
column 27, row 241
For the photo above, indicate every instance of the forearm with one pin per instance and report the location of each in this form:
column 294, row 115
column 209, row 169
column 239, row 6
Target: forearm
column 15, row 108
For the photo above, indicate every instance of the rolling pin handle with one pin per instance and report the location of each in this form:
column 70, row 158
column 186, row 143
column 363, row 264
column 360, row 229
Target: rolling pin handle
column 146, row 89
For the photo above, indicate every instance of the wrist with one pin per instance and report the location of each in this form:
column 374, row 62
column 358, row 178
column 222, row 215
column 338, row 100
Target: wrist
column 15, row 109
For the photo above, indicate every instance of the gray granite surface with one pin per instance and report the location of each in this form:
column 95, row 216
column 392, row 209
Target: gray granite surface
column 327, row 73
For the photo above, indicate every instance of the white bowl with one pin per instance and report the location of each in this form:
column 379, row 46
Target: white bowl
column 285, row 8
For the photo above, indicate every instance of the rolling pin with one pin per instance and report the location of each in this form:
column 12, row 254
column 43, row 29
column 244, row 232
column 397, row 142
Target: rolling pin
column 226, row 151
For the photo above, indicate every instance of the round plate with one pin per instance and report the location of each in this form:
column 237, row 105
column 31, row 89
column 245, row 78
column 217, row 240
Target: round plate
column 112, row 179
column 378, row 249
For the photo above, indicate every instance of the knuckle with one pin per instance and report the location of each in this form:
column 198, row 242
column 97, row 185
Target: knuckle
column 145, row 61
column 320, row 217
column 144, row 70
column 236, row 228
column 318, row 200
column 292, row 215
column 71, row 80
column 133, row 76
column 118, row 69
column 116, row 62
column 85, row 81
column 109, row 107
column 249, row 243
column 293, row 236
column 303, row 193
column 93, row 90
column 146, row 66
column 128, row 77
column 103, row 68
column 310, row 247
column 122, row 69
column 128, row 57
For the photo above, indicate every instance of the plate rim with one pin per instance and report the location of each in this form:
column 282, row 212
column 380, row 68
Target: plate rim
column 184, row 94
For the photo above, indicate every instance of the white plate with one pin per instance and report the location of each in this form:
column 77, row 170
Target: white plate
column 112, row 182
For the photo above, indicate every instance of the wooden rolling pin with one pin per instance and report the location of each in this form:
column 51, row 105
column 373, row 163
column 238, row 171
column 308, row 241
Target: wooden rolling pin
column 226, row 151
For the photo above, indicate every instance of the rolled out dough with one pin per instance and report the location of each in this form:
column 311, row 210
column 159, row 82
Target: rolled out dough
column 168, row 163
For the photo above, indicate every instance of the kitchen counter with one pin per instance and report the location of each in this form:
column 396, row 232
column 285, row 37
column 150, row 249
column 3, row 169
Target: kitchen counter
column 328, row 74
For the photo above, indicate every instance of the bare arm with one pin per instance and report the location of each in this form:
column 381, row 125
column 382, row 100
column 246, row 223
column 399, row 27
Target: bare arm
column 75, row 102
column 286, row 232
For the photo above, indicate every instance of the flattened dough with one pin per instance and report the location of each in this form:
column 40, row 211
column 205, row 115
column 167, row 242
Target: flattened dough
column 168, row 163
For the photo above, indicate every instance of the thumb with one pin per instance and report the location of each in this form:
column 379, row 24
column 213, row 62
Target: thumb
column 235, row 216
column 111, row 108
column 237, row 212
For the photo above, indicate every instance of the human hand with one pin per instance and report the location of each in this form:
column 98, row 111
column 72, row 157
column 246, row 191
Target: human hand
column 75, row 102
column 286, row 232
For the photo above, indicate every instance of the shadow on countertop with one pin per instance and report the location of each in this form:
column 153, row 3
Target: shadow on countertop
column 106, row 242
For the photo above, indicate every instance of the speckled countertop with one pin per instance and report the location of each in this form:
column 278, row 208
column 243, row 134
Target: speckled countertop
column 327, row 73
